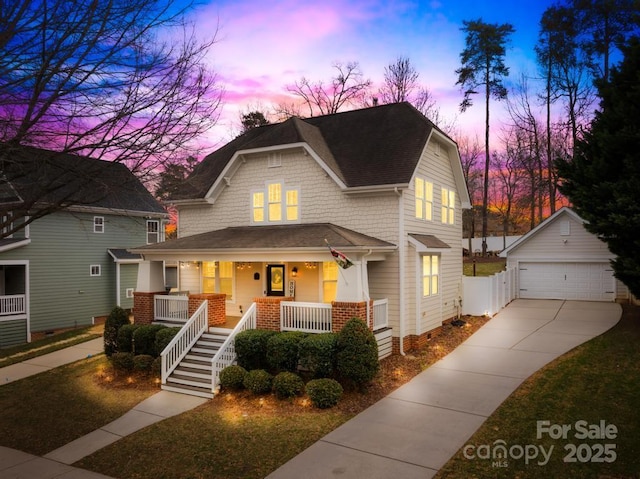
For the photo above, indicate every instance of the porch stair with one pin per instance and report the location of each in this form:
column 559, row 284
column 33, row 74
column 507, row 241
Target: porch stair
column 193, row 375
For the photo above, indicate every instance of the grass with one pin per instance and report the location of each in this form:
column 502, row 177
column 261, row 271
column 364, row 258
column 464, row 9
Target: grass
column 23, row 352
column 483, row 266
column 598, row 381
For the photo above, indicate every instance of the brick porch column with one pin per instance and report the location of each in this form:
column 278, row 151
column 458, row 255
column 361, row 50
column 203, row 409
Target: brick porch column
column 268, row 312
column 216, row 307
column 143, row 307
column 342, row 311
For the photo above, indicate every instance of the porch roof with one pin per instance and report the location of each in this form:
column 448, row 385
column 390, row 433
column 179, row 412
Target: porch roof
column 429, row 241
column 309, row 237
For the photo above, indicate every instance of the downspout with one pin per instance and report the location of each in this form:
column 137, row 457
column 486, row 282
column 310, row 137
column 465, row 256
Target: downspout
column 118, row 284
column 365, row 269
column 401, row 269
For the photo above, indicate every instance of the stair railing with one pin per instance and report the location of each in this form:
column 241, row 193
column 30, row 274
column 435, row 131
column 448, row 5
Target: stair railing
column 226, row 355
column 182, row 342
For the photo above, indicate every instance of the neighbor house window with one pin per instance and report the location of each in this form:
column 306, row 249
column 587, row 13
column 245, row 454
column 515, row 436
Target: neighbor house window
column 277, row 203
column 98, row 224
column 430, row 275
column 448, row 206
column 95, row 270
column 6, row 223
column 217, row 277
column 424, row 199
column 329, row 281
column 153, row 231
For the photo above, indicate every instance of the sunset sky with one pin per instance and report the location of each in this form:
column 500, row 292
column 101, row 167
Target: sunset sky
column 265, row 45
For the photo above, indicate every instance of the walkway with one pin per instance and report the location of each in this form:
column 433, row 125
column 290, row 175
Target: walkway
column 416, row 429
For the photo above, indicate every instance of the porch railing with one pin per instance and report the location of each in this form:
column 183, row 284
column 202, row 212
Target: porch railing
column 180, row 345
column 226, row 355
column 380, row 314
column 12, row 304
column 306, row 317
column 171, row 308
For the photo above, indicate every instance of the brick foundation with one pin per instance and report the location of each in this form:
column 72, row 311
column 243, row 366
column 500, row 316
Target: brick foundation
column 414, row 342
column 268, row 312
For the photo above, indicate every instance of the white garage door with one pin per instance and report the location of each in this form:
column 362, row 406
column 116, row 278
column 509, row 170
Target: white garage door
column 579, row 281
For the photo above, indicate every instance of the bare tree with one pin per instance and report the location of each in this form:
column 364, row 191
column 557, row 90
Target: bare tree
column 470, row 154
column 400, row 81
column 347, row 87
column 123, row 80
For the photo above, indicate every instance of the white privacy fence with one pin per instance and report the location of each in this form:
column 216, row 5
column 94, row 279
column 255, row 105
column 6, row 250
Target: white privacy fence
column 486, row 295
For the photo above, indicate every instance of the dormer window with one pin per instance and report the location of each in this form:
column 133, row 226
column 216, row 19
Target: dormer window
column 277, row 203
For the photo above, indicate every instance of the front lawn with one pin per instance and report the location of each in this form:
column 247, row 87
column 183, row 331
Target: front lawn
column 598, row 381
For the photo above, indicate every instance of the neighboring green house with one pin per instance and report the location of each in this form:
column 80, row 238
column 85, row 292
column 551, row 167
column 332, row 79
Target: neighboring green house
column 70, row 266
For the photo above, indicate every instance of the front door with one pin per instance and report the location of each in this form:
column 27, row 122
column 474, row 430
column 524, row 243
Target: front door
column 275, row 280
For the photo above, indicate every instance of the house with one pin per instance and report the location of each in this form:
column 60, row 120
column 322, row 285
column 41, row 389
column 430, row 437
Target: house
column 70, row 266
column 560, row 259
column 382, row 185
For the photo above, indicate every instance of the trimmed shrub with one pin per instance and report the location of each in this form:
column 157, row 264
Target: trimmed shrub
column 116, row 319
column 156, row 367
column 324, row 393
column 287, row 385
column 282, row 350
column 143, row 362
column 232, row 377
column 164, row 337
column 258, row 381
column 317, row 353
column 144, row 339
column 122, row 361
column 357, row 353
column 125, row 337
column 251, row 348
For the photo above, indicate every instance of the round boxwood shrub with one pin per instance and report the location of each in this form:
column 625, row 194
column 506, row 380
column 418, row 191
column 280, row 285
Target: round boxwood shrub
column 357, row 353
column 144, row 339
column 258, row 381
column 122, row 361
column 282, row 350
column 143, row 362
column 251, row 348
column 324, row 392
column 125, row 337
column 287, row 385
column 232, row 377
column 164, row 337
column 156, row 367
column 116, row 319
column 317, row 353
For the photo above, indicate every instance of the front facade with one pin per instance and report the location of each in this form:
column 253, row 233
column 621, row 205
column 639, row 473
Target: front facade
column 560, row 259
column 382, row 186
column 71, row 266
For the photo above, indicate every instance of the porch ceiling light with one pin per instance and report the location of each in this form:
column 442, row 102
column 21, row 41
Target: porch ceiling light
column 311, row 265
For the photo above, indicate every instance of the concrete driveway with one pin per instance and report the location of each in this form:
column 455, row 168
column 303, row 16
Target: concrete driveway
column 416, row 429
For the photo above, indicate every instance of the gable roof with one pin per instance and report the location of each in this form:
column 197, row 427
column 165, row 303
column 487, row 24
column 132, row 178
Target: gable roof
column 372, row 147
column 564, row 211
column 44, row 176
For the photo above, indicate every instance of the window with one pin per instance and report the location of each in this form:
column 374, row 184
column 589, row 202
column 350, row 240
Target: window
column 6, row 223
column 274, row 160
column 448, row 206
column 329, row 281
column 95, row 270
column 153, row 231
column 424, row 199
column 217, row 277
column 275, row 204
column 98, row 224
column 430, row 275
column 129, row 292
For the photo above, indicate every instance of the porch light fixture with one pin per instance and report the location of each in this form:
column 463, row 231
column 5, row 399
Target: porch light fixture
column 243, row 265
column 294, row 271
column 311, row 265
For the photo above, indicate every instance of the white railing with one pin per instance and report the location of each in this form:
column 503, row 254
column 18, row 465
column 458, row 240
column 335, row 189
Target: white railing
column 171, row 308
column 380, row 314
column 180, row 345
column 12, row 304
column 226, row 355
column 306, row 317
column 486, row 295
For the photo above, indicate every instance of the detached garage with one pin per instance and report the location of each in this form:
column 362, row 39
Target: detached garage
column 560, row 259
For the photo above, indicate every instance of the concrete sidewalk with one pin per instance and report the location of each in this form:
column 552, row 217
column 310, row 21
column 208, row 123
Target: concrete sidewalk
column 415, row 430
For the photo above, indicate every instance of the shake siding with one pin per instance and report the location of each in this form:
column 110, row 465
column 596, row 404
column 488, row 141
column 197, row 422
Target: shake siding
column 63, row 246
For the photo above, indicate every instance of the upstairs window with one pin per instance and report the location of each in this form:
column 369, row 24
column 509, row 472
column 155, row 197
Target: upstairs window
column 153, row 231
column 98, row 224
column 424, row 199
column 277, row 203
column 448, row 206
